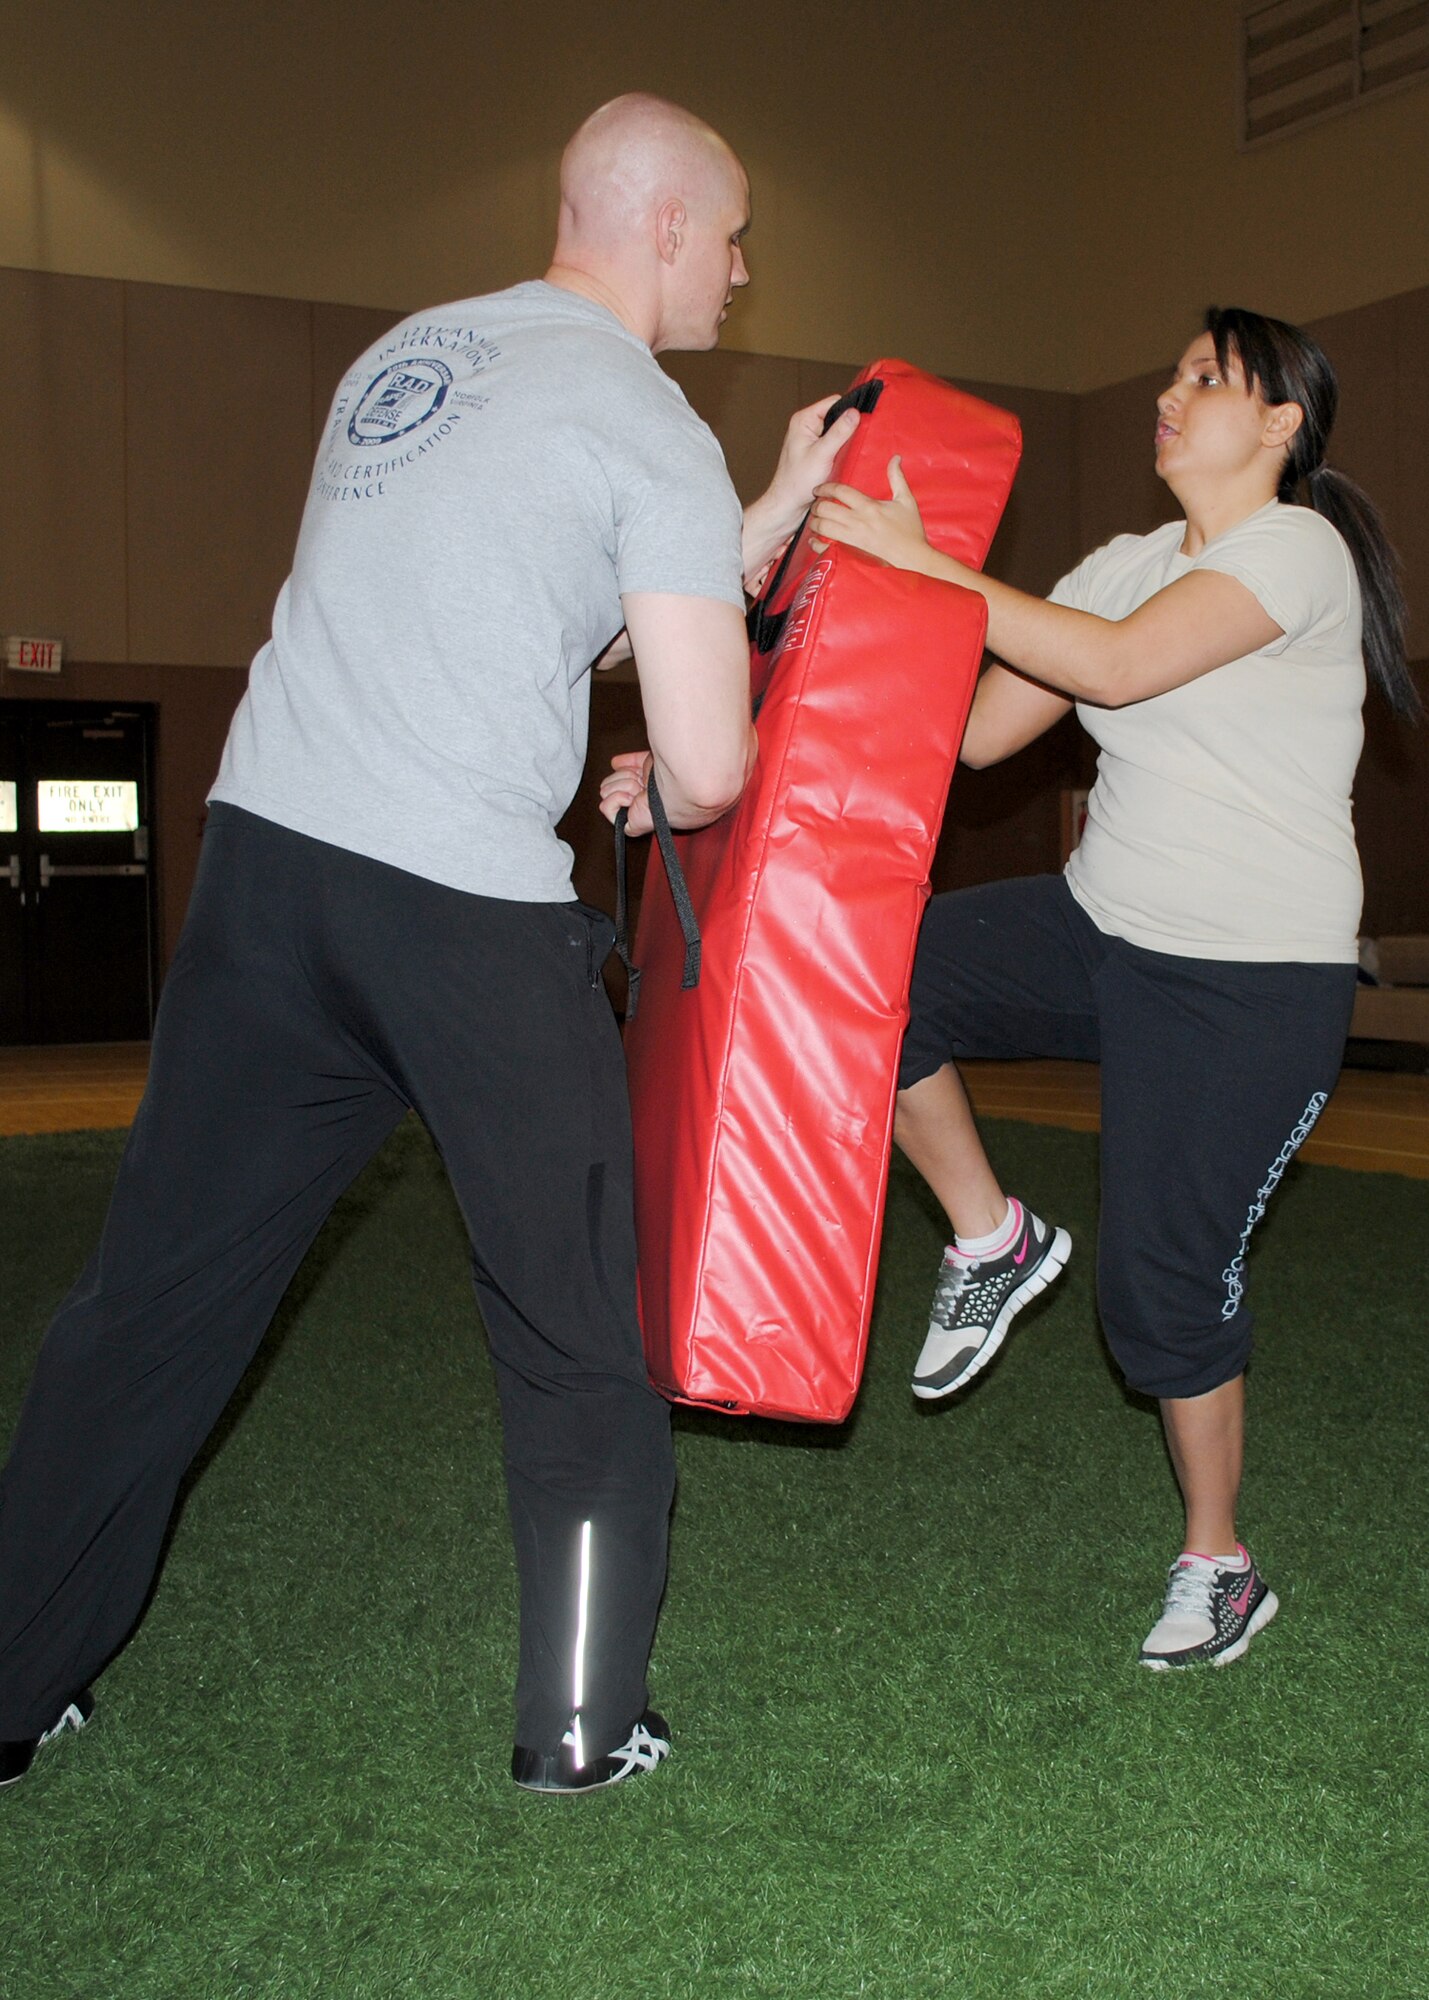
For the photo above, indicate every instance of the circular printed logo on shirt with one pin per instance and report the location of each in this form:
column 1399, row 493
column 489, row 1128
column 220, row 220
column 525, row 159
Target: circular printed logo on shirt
column 401, row 399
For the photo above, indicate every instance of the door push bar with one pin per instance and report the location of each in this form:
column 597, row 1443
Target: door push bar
column 48, row 871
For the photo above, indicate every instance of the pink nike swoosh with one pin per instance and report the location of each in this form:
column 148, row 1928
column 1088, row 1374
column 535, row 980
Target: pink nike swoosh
column 1239, row 1603
column 1020, row 1256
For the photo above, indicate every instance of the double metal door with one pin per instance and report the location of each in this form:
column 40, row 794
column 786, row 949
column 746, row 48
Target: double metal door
column 76, row 884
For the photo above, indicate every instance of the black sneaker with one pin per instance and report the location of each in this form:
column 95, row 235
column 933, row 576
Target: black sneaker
column 975, row 1304
column 647, row 1745
column 1211, row 1614
column 16, row 1757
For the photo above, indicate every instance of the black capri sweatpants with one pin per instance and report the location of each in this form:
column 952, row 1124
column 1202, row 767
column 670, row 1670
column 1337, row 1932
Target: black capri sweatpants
column 315, row 997
column 1212, row 1074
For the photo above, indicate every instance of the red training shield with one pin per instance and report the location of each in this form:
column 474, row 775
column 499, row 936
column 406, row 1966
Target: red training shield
column 763, row 1096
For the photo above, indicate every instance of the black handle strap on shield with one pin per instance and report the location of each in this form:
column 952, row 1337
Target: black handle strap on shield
column 679, row 891
column 765, row 626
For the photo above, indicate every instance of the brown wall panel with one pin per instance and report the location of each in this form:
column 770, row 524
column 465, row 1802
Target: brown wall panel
column 1380, row 353
column 62, row 494
column 1408, row 506
column 746, row 399
column 1006, row 820
column 1118, row 492
column 818, row 379
column 219, row 390
column 1360, row 346
column 339, row 335
column 1392, row 821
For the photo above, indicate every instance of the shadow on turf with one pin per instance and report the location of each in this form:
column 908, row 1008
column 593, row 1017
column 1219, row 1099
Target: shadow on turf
column 732, row 1429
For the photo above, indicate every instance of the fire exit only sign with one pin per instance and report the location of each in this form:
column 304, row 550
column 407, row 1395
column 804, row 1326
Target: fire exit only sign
column 34, row 656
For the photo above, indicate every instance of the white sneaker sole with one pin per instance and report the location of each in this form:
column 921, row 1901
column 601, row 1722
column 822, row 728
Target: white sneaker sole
column 1051, row 1267
column 1264, row 1612
column 73, row 1718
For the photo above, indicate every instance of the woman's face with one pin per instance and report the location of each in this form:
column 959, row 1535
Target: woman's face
column 1208, row 424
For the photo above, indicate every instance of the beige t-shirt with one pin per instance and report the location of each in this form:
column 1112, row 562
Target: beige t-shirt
column 1219, row 825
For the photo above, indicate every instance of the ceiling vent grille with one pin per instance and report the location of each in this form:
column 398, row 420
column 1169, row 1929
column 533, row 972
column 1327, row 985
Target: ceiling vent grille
column 1304, row 60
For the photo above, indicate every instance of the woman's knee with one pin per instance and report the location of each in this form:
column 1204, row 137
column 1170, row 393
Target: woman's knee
column 1168, row 1359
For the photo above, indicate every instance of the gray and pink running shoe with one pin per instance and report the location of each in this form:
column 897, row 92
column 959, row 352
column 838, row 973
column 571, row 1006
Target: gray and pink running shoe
column 974, row 1304
column 1211, row 1613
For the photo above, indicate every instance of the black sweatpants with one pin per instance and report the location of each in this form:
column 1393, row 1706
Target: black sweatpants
column 315, row 997
column 1212, row 1074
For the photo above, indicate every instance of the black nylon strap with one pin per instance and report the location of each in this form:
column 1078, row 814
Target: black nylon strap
column 679, row 888
column 622, row 918
column 679, row 891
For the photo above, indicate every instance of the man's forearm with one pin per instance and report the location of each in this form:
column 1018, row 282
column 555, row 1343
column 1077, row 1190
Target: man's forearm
column 688, row 812
column 769, row 521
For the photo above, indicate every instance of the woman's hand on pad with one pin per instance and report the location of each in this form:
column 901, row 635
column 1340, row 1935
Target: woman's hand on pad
column 891, row 530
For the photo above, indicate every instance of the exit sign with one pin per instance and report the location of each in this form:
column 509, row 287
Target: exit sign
column 34, row 656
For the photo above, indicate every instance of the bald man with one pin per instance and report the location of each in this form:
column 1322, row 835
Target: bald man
column 384, row 921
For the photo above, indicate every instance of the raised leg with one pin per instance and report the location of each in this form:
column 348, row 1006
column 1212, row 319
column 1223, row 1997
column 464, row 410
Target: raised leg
column 934, row 1126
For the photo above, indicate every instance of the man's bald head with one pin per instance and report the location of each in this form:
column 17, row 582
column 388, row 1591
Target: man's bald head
column 632, row 156
column 653, row 206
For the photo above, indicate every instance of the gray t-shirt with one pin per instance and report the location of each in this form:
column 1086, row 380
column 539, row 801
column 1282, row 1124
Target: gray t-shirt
column 493, row 476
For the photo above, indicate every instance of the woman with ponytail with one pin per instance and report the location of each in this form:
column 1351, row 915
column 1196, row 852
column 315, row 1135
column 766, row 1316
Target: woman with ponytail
column 1201, row 943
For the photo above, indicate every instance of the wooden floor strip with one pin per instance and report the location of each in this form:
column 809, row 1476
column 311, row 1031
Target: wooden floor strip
column 91, row 1086
column 1376, row 1122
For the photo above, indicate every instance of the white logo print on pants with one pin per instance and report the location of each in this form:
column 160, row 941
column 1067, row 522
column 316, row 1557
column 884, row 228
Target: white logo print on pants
column 1234, row 1273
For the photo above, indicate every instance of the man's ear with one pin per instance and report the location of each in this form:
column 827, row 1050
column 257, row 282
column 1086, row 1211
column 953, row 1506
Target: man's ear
column 1282, row 423
column 670, row 220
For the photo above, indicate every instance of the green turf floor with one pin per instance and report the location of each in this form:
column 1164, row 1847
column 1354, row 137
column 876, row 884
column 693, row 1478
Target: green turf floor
column 914, row 1753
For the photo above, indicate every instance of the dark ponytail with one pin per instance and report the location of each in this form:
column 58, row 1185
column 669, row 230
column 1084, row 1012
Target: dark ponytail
column 1284, row 365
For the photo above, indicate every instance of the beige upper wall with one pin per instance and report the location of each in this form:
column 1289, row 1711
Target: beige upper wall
column 1171, row 217
column 1038, row 192
column 368, row 152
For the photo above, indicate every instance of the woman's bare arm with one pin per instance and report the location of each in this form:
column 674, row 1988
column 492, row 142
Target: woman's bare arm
column 1008, row 712
column 1200, row 622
